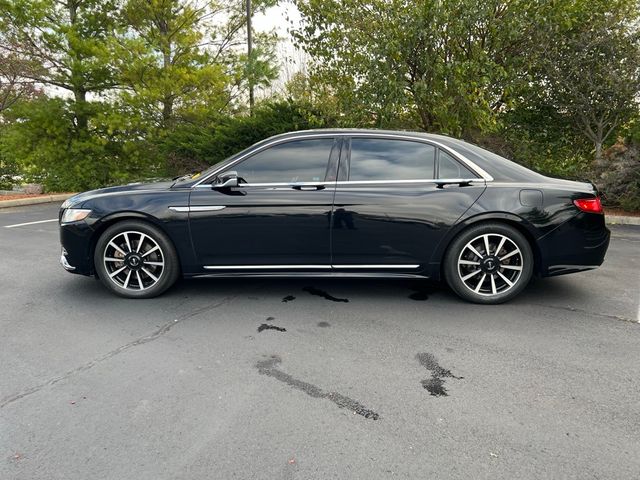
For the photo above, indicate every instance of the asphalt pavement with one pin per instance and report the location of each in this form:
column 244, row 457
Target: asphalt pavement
column 308, row 378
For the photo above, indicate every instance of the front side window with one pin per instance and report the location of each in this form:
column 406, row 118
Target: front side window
column 376, row 159
column 291, row 162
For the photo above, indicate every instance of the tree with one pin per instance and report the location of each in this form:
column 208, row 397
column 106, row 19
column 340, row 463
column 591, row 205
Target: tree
column 447, row 66
column 183, row 55
column 590, row 69
column 68, row 42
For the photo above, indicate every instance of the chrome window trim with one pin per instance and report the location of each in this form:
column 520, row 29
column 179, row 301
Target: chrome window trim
column 357, row 182
column 458, row 156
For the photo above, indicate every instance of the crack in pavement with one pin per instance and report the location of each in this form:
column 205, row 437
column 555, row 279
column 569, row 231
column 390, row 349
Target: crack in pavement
column 86, row 366
column 581, row 310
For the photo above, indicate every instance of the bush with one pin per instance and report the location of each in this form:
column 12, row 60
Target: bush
column 193, row 146
column 620, row 182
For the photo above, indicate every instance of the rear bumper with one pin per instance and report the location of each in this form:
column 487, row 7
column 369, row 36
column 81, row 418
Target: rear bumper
column 577, row 245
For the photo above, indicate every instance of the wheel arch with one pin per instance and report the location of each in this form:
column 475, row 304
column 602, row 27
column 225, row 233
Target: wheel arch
column 520, row 224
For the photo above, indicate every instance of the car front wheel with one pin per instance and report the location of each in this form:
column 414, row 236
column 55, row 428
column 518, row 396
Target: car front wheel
column 489, row 263
column 134, row 259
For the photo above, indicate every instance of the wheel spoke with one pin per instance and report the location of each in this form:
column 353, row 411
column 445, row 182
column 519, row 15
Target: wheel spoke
column 477, row 289
column 509, row 255
column 142, row 237
column 113, row 259
column 159, row 264
column 117, row 247
column 126, row 239
column 155, row 279
column 461, row 262
column 126, row 282
column 508, row 282
column 512, row 267
column 494, row 290
column 486, row 245
column 150, row 251
column 472, row 274
column 500, row 245
column 116, row 272
column 139, row 280
column 475, row 252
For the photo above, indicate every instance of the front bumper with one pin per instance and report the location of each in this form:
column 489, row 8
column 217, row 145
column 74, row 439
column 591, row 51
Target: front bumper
column 64, row 262
column 75, row 240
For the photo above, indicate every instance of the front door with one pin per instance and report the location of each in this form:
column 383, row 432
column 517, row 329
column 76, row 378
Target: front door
column 277, row 218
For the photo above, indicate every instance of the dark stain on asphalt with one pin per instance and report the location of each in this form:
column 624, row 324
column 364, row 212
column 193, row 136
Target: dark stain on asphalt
column 420, row 295
column 323, row 294
column 288, row 298
column 269, row 367
column 324, row 324
column 266, row 326
column 435, row 384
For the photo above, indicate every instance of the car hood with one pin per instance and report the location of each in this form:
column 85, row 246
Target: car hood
column 131, row 187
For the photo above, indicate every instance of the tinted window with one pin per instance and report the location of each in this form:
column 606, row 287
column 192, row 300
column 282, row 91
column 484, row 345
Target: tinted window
column 377, row 159
column 296, row 161
column 448, row 167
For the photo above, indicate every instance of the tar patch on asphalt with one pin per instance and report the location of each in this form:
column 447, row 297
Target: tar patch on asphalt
column 288, row 298
column 269, row 367
column 267, row 326
column 435, row 384
column 323, row 294
column 324, row 324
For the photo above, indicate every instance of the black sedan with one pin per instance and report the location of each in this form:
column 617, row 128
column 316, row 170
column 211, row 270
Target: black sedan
column 353, row 203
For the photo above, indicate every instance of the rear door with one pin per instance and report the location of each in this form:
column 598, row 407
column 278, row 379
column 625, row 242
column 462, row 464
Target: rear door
column 390, row 209
column 277, row 218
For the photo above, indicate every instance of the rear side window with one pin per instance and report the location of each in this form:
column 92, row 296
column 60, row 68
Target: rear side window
column 449, row 167
column 291, row 162
column 381, row 159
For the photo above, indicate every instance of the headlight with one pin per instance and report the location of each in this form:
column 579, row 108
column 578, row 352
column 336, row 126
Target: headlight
column 74, row 215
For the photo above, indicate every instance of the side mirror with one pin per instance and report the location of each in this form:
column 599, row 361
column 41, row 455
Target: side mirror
column 226, row 180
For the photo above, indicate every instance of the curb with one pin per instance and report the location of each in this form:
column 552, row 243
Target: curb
column 19, row 202
column 621, row 220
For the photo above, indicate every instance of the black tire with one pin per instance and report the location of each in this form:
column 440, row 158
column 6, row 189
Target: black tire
column 499, row 280
column 146, row 271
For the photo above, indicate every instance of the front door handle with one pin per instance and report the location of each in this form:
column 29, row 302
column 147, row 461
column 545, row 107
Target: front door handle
column 308, row 188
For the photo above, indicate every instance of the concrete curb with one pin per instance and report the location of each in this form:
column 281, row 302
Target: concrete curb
column 19, row 202
column 621, row 220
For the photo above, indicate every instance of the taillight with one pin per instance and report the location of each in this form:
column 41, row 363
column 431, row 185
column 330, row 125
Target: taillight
column 589, row 205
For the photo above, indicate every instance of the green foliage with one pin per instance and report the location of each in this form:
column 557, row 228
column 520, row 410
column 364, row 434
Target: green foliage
column 41, row 137
column 191, row 147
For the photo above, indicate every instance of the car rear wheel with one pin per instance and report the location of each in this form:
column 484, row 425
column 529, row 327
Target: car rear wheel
column 490, row 263
column 134, row 259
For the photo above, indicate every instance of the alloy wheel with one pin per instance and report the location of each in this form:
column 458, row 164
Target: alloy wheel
column 490, row 264
column 133, row 260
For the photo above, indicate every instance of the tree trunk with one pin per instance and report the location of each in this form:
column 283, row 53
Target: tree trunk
column 82, row 120
column 599, row 160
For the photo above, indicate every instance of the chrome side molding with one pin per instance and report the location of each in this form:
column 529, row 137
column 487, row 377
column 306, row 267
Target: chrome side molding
column 198, row 208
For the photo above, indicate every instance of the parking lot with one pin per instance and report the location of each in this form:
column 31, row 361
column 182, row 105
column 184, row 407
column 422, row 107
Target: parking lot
column 308, row 378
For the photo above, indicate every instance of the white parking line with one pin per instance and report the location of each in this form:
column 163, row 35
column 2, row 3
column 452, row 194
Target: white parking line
column 30, row 223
